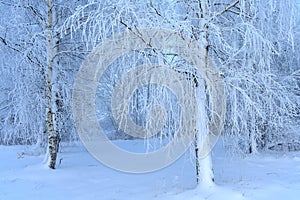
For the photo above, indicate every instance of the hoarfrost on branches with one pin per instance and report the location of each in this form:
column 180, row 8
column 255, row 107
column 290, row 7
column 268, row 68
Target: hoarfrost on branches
column 255, row 45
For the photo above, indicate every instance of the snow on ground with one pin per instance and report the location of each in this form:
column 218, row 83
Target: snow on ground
column 80, row 176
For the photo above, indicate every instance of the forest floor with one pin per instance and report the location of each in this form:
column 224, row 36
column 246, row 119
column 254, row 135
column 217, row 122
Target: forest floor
column 269, row 175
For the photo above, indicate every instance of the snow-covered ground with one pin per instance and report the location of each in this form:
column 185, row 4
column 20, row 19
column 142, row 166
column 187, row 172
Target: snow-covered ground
column 80, row 176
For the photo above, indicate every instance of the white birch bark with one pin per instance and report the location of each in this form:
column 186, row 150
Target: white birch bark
column 203, row 165
column 204, row 171
column 50, row 118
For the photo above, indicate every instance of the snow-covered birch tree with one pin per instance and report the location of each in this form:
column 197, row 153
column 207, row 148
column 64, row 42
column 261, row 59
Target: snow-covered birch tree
column 42, row 73
column 242, row 37
column 120, row 16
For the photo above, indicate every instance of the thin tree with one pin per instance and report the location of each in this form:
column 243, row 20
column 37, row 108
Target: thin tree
column 45, row 61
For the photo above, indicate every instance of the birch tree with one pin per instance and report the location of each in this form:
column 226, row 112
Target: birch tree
column 121, row 16
column 236, row 34
column 45, row 61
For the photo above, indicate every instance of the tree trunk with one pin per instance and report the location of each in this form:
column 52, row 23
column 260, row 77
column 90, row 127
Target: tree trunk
column 50, row 119
column 203, row 165
column 204, row 170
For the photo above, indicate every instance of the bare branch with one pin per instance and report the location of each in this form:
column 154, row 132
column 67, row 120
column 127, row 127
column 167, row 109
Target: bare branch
column 225, row 10
column 3, row 40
